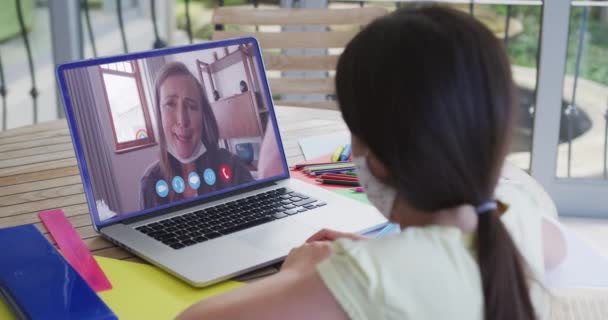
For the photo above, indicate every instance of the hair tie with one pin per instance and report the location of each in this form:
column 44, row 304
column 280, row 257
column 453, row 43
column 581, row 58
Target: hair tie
column 486, row 207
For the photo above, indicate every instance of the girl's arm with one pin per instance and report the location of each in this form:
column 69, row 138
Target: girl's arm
column 297, row 292
column 554, row 243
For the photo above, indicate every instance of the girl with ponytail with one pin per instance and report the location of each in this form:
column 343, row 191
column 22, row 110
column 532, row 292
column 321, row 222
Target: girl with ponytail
column 428, row 96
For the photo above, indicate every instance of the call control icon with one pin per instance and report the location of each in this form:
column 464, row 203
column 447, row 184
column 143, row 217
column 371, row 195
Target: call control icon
column 178, row 184
column 162, row 188
column 194, row 180
column 209, row 176
column 225, row 172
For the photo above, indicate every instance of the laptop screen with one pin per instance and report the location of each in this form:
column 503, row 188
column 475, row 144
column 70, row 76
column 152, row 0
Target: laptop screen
column 167, row 127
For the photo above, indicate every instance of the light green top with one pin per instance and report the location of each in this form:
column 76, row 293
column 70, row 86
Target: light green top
column 428, row 272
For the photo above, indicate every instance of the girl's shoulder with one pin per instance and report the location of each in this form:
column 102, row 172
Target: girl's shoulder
column 434, row 247
column 400, row 275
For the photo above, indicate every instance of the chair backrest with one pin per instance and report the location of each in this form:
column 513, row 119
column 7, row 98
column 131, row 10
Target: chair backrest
column 336, row 36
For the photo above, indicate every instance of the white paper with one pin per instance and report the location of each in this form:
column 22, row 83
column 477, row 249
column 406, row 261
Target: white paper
column 583, row 266
column 318, row 146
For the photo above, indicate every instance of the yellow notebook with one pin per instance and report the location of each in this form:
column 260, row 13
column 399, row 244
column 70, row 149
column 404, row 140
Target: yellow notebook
column 141, row 291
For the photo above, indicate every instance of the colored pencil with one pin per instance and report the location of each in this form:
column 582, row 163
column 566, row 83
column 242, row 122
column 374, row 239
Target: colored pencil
column 329, row 165
column 336, row 156
column 341, row 175
column 302, row 165
column 338, row 182
column 345, row 153
column 336, row 168
column 338, row 177
column 339, row 171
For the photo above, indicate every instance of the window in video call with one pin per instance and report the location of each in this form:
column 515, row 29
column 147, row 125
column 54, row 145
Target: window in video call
column 167, row 129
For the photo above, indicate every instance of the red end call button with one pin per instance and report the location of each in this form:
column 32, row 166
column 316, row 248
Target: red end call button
column 225, row 172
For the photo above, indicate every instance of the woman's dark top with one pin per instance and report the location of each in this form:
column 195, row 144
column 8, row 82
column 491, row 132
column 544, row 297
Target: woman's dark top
column 210, row 159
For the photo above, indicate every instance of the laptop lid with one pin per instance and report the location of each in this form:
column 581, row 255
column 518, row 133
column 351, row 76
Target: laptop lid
column 171, row 127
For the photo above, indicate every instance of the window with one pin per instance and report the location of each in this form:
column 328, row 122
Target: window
column 517, row 23
column 570, row 132
column 127, row 106
column 581, row 152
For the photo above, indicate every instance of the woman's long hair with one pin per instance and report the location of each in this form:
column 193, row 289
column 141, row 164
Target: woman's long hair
column 430, row 91
column 169, row 166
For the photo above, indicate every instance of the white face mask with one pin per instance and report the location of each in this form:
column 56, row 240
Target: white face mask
column 198, row 151
column 379, row 194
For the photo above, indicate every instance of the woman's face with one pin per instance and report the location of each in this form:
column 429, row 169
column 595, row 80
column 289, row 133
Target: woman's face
column 180, row 105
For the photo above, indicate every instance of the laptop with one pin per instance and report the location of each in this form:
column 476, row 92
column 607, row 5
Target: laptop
column 182, row 162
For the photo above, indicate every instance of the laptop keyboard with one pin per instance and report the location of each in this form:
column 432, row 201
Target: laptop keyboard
column 209, row 223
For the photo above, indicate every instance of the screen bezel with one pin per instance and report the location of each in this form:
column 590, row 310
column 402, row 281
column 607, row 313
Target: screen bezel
column 61, row 69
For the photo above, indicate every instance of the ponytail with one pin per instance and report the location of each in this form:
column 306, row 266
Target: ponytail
column 503, row 276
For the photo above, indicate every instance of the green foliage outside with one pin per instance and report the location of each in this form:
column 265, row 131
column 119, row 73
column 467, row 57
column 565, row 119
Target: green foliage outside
column 200, row 16
column 594, row 63
column 523, row 48
column 9, row 24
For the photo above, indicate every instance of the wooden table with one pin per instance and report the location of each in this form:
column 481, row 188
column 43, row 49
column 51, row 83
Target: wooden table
column 38, row 171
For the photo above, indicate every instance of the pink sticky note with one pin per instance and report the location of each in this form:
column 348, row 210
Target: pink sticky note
column 74, row 249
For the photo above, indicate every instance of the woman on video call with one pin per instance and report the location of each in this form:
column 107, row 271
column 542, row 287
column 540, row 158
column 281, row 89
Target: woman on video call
column 191, row 163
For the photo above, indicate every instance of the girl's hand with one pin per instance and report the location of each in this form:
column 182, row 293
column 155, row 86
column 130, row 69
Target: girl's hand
column 332, row 235
column 305, row 257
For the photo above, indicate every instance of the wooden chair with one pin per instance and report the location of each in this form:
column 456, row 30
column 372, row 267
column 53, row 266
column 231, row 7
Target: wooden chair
column 273, row 44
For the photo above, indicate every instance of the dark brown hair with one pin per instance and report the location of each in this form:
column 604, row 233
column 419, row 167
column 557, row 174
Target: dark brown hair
column 210, row 132
column 430, row 91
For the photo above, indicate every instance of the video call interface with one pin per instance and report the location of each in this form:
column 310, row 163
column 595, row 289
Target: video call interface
column 168, row 129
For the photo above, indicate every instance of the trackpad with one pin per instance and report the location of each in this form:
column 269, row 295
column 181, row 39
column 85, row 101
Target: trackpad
column 278, row 236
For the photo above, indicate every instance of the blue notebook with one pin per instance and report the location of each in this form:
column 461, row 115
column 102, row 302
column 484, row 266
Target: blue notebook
column 38, row 283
